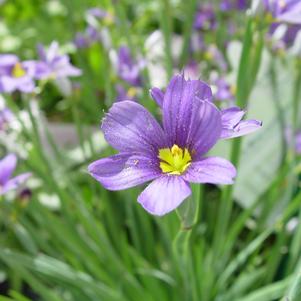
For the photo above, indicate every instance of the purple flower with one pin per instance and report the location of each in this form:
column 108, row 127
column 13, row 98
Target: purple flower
column 282, row 36
column 81, row 40
column 215, row 57
column 7, row 167
column 87, row 38
column 127, row 68
column 172, row 155
column 288, row 11
column 101, row 14
column 205, row 18
column 97, row 12
column 231, row 118
column 227, row 5
column 55, row 65
column 16, row 75
column 192, row 70
column 6, row 116
column 223, row 90
column 298, row 143
column 123, row 94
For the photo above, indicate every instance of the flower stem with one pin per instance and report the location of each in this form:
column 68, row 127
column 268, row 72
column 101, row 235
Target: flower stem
column 190, row 7
column 296, row 240
column 166, row 25
column 189, row 213
column 247, row 73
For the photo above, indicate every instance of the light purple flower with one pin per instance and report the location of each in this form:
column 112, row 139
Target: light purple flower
column 223, row 90
column 282, row 37
column 123, row 94
column 87, row 38
column 215, row 57
column 97, row 12
column 54, row 65
column 16, row 75
column 101, row 14
column 288, row 11
column 192, row 70
column 172, row 155
column 127, row 68
column 298, row 143
column 81, row 40
column 7, row 167
column 6, row 116
column 205, row 18
column 227, row 5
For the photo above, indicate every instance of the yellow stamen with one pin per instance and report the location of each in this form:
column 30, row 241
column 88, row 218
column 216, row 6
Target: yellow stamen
column 233, row 89
column 131, row 92
column 174, row 160
column 18, row 70
column 269, row 18
column 208, row 56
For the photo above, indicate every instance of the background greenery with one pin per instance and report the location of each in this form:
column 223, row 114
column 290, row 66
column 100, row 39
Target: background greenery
column 73, row 240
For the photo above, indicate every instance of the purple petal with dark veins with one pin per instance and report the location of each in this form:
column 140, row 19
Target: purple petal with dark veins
column 129, row 127
column 123, row 171
column 205, row 128
column 212, row 170
column 178, row 107
column 164, row 194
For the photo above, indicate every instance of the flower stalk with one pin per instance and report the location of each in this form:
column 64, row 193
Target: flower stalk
column 248, row 69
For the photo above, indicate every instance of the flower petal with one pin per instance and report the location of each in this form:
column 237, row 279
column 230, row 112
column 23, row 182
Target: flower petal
column 25, row 84
column 292, row 14
column 7, row 84
column 123, row 171
column 157, row 96
column 8, row 60
column 232, row 126
column 202, row 90
column 212, row 170
column 232, row 116
column 205, row 128
column 164, row 194
column 129, row 127
column 242, row 128
column 14, row 183
column 178, row 106
column 7, row 167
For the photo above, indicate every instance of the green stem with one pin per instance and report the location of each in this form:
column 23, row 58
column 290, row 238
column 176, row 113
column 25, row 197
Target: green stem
column 189, row 214
column 166, row 25
column 247, row 73
column 279, row 110
column 78, row 126
column 189, row 10
column 296, row 241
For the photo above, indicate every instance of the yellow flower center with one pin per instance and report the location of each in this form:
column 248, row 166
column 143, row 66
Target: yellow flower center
column 269, row 18
column 174, row 160
column 131, row 92
column 233, row 89
column 18, row 70
column 208, row 56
